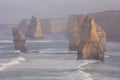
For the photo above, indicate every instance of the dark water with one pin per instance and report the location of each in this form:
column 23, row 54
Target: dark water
column 50, row 59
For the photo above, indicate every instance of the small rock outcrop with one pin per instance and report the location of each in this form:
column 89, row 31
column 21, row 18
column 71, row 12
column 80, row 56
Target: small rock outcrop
column 19, row 42
column 87, row 38
column 34, row 29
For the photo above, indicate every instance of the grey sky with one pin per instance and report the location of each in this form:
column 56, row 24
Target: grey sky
column 12, row 11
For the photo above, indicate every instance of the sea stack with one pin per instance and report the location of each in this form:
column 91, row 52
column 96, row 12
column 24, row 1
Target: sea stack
column 19, row 42
column 34, row 29
column 87, row 38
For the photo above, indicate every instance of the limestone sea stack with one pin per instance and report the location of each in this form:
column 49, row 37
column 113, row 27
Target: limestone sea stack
column 87, row 38
column 34, row 29
column 19, row 42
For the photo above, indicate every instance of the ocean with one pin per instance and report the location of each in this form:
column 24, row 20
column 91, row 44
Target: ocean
column 50, row 59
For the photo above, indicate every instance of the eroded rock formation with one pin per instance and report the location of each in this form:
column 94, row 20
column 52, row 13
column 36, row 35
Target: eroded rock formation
column 88, row 38
column 34, row 29
column 19, row 42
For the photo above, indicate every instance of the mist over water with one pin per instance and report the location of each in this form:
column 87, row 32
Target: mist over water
column 50, row 59
column 13, row 11
column 47, row 59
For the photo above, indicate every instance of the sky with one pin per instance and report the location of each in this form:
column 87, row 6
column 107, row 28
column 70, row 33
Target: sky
column 13, row 11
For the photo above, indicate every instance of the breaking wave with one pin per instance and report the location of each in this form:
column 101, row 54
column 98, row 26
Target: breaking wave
column 11, row 63
column 6, row 41
column 37, row 41
column 50, row 50
column 86, row 76
column 47, row 41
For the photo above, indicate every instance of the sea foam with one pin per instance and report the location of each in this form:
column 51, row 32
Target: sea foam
column 11, row 63
column 46, row 41
column 86, row 76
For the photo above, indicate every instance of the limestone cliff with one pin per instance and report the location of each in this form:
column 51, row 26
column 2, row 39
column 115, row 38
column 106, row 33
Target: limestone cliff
column 19, row 42
column 108, row 20
column 46, row 26
column 34, row 29
column 87, row 37
column 53, row 25
column 69, row 24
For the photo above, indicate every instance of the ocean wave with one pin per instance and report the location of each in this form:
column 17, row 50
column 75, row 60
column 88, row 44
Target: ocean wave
column 6, row 41
column 56, row 51
column 106, row 56
column 17, row 51
column 36, row 41
column 47, row 41
column 86, row 76
column 10, row 51
column 86, row 62
column 11, row 63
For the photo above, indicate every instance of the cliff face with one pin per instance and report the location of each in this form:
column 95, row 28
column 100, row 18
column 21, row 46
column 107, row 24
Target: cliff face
column 19, row 42
column 46, row 26
column 69, row 24
column 53, row 25
column 34, row 29
column 45, row 23
column 110, row 22
column 87, row 37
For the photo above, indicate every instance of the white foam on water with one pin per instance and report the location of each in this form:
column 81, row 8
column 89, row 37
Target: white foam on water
column 36, row 41
column 17, row 51
column 51, row 50
column 86, row 76
column 107, row 56
column 57, row 51
column 6, row 41
column 80, row 75
column 47, row 41
column 85, row 62
column 11, row 63
column 11, row 51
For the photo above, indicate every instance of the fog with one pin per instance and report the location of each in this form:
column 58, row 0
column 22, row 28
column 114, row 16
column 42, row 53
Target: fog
column 12, row 11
